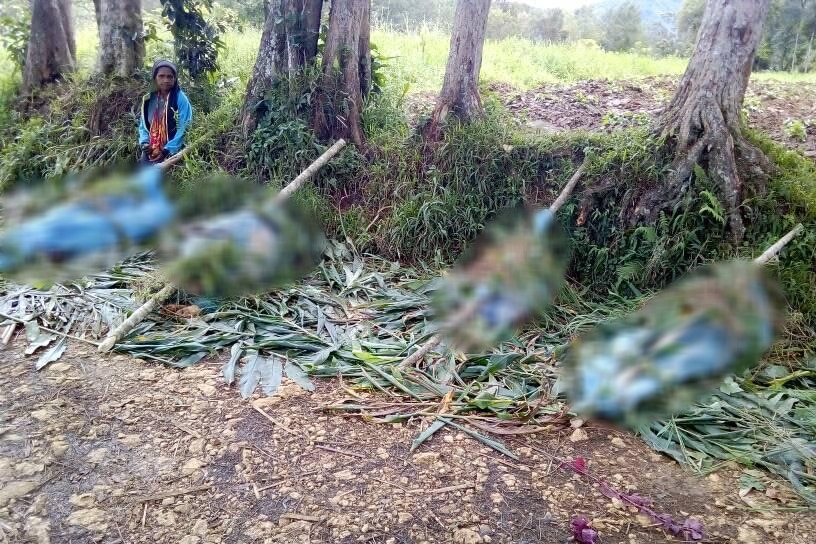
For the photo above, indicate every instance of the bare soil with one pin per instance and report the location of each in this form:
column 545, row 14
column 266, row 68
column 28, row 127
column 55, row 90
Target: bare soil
column 602, row 105
column 118, row 450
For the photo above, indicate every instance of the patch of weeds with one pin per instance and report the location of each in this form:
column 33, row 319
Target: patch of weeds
column 796, row 129
column 626, row 119
column 751, row 105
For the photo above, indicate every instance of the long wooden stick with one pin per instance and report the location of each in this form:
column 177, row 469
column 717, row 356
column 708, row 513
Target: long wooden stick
column 310, row 171
column 774, row 250
column 566, row 192
column 461, row 317
column 136, row 317
column 171, row 161
column 158, row 299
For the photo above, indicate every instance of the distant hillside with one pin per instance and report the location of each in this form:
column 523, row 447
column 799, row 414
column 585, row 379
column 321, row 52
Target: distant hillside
column 651, row 11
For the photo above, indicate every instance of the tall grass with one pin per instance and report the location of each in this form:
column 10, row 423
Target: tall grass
column 420, row 60
column 410, row 202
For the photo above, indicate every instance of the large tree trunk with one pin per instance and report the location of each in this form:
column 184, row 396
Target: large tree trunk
column 121, row 37
column 303, row 31
column 51, row 46
column 288, row 43
column 338, row 108
column 460, row 90
column 366, row 81
column 98, row 12
column 703, row 122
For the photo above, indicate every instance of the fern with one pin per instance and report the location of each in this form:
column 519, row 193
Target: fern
column 628, row 271
column 713, row 207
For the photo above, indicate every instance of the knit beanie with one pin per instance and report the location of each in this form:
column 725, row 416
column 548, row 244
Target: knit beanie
column 164, row 64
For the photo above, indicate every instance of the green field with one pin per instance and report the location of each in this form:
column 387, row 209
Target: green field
column 418, row 60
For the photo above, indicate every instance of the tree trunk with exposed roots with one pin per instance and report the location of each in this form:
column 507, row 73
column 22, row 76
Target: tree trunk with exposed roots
column 339, row 103
column 460, row 90
column 703, row 121
column 288, row 43
column 121, row 37
column 51, row 52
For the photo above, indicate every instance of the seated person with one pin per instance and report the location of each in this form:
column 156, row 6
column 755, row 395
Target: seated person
column 166, row 115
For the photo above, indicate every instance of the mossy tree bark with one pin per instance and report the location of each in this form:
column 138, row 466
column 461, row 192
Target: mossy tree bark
column 51, row 52
column 339, row 104
column 702, row 124
column 121, row 37
column 460, row 89
column 288, row 43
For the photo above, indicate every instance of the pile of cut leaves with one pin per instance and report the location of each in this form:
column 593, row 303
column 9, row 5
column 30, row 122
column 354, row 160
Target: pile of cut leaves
column 359, row 316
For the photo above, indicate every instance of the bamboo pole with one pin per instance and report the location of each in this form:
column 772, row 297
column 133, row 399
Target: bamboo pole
column 461, row 317
column 172, row 160
column 310, row 171
column 774, row 250
column 136, row 317
column 158, row 299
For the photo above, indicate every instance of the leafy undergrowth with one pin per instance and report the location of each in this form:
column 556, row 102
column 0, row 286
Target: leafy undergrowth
column 359, row 315
column 410, row 203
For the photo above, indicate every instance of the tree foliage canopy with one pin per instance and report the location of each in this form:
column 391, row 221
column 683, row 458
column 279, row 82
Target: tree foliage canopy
column 197, row 41
column 788, row 42
column 622, row 27
column 14, row 28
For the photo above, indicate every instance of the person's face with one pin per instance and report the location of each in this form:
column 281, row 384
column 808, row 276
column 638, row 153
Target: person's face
column 165, row 80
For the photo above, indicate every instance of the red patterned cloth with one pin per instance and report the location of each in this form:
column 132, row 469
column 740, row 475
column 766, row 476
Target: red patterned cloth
column 158, row 125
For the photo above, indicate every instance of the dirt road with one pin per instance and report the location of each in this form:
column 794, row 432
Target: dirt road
column 117, row 450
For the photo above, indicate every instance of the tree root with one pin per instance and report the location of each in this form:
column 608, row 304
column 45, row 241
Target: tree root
column 703, row 138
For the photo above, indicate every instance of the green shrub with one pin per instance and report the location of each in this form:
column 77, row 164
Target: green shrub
column 409, row 200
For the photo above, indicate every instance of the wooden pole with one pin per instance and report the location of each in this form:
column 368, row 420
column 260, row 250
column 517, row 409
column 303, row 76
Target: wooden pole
column 310, row 171
column 774, row 250
column 566, row 192
column 158, row 299
column 172, row 160
column 135, row 318
column 461, row 317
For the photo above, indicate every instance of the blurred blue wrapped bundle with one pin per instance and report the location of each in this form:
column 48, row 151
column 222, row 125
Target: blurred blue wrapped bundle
column 62, row 233
column 512, row 274
column 251, row 250
column 677, row 348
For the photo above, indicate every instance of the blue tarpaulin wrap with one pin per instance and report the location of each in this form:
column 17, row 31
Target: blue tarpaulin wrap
column 511, row 275
column 109, row 219
column 677, row 348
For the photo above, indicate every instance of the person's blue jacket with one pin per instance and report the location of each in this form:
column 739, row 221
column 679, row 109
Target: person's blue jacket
column 180, row 114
